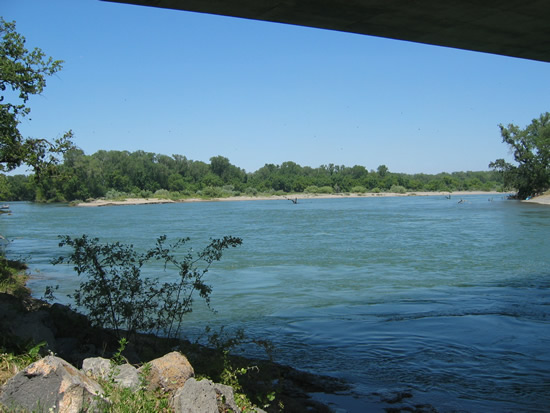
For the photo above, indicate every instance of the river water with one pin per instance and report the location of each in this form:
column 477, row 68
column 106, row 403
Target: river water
column 449, row 301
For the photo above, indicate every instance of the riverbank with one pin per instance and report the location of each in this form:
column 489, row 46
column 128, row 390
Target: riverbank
column 541, row 199
column 25, row 321
column 296, row 197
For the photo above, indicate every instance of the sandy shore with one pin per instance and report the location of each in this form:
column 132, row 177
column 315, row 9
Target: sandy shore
column 542, row 199
column 145, row 201
column 128, row 201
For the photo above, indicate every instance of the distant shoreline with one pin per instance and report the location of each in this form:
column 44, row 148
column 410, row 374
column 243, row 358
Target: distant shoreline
column 149, row 201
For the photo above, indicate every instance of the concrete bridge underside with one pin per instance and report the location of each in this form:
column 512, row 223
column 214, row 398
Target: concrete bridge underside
column 518, row 28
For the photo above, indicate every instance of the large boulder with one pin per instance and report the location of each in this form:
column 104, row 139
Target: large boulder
column 124, row 375
column 204, row 397
column 51, row 383
column 167, row 373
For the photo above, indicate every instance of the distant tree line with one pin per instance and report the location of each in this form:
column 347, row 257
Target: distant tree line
column 115, row 174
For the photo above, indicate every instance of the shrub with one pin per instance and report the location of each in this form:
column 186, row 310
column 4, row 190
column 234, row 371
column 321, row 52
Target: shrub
column 251, row 191
column 212, row 192
column 398, row 189
column 117, row 296
column 162, row 193
column 312, row 189
column 115, row 195
column 326, row 190
column 359, row 189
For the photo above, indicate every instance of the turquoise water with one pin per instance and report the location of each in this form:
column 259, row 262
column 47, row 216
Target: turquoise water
column 448, row 300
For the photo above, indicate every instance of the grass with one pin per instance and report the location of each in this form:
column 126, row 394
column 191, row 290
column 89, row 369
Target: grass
column 13, row 278
column 12, row 363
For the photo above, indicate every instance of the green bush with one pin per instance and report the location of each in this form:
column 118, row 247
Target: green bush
column 326, row 190
column 398, row 189
column 312, row 189
column 162, row 193
column 251, row 191
column 211, row 192
column 115, row 195
column 117, row 296
column 359, row 189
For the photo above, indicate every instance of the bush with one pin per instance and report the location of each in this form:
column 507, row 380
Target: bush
column 326, row 190
column 359, row 189
column 162, row 193
column 312, row 189
column 212, row 192
column 398, row 189
column 115, row 195
column 251, row 191
column 117, row 296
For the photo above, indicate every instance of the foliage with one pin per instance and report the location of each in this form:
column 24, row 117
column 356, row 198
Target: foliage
column 13, row 278
column 119, row 399
column 126, row 400
column 116, row 295
column 115, row 174
column 398, row 189
column 24, row 72
column 11, row 362
column 531, row 149
column 220, row 366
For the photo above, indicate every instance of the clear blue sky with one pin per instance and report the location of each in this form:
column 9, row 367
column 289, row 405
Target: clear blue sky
column 175, row 82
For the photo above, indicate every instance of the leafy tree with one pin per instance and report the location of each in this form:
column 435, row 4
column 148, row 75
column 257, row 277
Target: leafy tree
column 531, row 149
column 24, row 72
column 382, row 171
column 117, row 296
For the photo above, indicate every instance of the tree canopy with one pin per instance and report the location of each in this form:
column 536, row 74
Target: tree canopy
column 530, row 147
column 24, row 72
column 115, row 174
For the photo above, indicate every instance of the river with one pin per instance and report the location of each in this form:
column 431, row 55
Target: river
column 448, row 301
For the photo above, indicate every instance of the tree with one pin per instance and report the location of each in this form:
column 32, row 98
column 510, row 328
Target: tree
column 24, row 72
column 531, row 149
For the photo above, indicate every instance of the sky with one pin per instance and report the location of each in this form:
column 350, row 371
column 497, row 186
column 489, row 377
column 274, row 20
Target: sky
column 198, row 85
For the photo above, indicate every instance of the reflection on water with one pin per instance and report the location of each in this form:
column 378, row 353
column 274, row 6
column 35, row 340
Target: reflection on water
column 448, row 300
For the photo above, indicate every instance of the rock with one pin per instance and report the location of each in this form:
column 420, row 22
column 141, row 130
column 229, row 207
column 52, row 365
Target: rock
column 16, row 321
column 226, row 398
column 124, row 375
column 204, row 397
column 127, row 376
column 51, row 383
column 168, row 373
column 96, row 367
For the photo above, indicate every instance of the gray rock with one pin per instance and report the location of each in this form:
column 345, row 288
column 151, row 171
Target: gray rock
column 127, row 376
column 226, row 398
column 203, row 397
column 96, row 367
column 51, row 383
column 124, row 375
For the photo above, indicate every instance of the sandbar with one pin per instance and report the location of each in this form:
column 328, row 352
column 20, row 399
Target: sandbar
column 147, row 201
column 541, row 199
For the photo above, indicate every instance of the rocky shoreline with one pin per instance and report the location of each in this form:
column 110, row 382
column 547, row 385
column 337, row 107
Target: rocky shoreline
column 72, row 339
